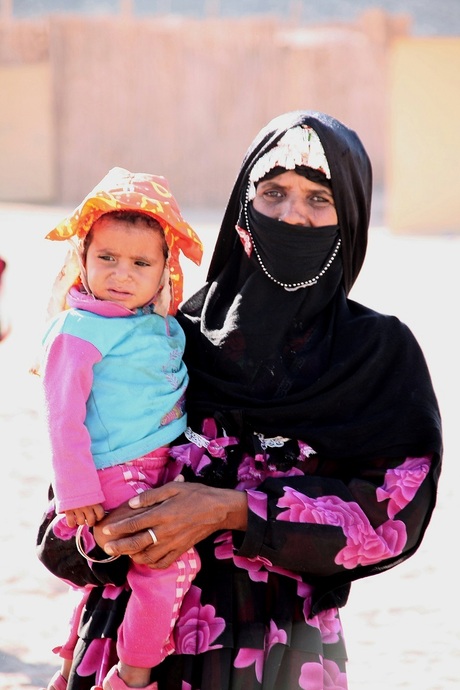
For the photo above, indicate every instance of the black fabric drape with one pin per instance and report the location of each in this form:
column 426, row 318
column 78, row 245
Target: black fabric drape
column 309, row 364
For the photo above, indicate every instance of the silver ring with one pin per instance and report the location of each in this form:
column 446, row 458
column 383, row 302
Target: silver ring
column 153, row 535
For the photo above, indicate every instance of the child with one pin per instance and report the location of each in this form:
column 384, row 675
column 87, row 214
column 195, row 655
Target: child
column 114, row 384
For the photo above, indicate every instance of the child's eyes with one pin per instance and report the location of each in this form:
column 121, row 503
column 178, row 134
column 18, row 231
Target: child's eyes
column 109, row 258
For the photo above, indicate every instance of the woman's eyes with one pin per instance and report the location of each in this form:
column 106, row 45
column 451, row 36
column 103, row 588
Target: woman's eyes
column 277, row 194
column 318, row 198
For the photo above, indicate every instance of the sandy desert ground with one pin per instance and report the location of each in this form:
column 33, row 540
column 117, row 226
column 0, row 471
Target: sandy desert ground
column 402, row 627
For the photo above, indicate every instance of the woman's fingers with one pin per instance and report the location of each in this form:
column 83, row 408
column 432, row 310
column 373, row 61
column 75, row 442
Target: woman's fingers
column 180, row 514
column 141, row 548
column 135, row 543
column 151, row 497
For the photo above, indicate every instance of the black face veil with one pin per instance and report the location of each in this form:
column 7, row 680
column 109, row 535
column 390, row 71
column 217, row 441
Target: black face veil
column 351, row 183
column 310, row 363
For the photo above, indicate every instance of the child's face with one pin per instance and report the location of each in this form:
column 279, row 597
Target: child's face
column 124, row 262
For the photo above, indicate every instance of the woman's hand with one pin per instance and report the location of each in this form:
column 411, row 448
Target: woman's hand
column 180, row 515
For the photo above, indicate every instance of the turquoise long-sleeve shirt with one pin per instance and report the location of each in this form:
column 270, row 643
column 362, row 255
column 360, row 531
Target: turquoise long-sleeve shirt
column 114, row 384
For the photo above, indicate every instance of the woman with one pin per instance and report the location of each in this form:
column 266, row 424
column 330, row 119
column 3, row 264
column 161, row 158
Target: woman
column 314, row 442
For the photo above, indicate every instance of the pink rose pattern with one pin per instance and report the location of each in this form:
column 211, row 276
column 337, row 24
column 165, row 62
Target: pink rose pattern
column 97, row 660
column 325, row 676
column 64, row 532
column 365, row 545
column 253, row 470
column 257, row 503
column 402, row 483
column 198, row 457
column 246, row 656
column 254, row 566
column 197, row 626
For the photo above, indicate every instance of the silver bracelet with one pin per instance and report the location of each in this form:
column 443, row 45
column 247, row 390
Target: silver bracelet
column 82, row 552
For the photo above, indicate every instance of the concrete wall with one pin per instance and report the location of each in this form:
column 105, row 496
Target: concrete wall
column 178, row 96
column 423, row 191
column 184, row 98
column 27, row 163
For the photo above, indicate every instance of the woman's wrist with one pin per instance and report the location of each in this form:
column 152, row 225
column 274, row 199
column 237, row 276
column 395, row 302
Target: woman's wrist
column 236, row 504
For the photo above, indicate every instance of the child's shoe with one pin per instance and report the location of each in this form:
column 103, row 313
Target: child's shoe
column 113, row 681
column 57, row 682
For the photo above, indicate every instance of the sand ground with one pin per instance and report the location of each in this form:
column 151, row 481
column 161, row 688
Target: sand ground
column 402, row 627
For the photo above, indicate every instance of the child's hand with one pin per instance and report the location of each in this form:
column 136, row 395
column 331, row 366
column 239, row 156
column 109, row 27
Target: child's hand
column 88, row 515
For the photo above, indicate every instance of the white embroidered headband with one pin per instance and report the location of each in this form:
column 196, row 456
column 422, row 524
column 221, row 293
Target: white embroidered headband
column 298, row 146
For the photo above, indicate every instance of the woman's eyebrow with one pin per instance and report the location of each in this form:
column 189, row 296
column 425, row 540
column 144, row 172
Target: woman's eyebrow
column 271, row 183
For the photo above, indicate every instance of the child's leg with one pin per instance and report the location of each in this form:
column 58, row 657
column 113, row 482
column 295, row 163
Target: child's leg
column 113, row 681
column 145, row 635
column 59, row 680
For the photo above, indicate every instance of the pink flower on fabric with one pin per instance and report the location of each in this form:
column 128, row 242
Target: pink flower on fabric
column 191, row 455
column 197, row 626
column 113, row 592
column 402, row 483
column 330, row 626
column 63, row 531
column 98, row 649
column 315, row 676
column 304, row 591
column 311, row 676
column 253, row 470
column 334, row 678
column 249, row 473
column 197, row 456
column 216, row 443
column 257, row 503
column 327, row 622
column 257, row 567
column 305, row 450
column 247, row 656
column 364, row 544
column 274, row 636
column 225, row 550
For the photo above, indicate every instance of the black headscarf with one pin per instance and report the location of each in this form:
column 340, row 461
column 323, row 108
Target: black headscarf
column 308, row 364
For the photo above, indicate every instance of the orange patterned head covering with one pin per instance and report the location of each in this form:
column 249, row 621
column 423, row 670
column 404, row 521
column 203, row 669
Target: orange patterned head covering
column 121, row 190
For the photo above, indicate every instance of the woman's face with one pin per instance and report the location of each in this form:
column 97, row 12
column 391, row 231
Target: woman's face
column 294, row 199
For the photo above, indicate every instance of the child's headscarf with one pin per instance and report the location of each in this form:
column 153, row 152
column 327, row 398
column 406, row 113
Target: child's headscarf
column 122, row 190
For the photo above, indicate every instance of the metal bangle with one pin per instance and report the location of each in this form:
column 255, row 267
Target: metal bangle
column 81, row 551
